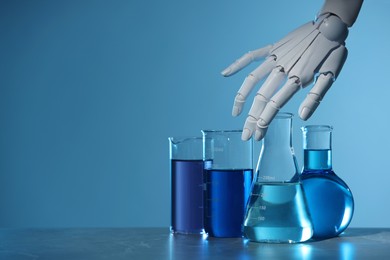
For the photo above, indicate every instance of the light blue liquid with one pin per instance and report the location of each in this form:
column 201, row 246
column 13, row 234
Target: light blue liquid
column 329, row 199
column 317, row 159
column 277, row 213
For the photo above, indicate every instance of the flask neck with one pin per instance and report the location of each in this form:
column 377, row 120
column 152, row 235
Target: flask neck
column 317, row 147
column 277, row 161
column 317, row 159
column 279, row 134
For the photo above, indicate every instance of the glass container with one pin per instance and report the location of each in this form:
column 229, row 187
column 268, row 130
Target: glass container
column 186, row 166
column 330, row 201
column 277, row 211
column 228, row 177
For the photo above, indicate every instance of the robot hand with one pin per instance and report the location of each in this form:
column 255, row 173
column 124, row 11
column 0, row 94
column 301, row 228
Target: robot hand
column 314, row 51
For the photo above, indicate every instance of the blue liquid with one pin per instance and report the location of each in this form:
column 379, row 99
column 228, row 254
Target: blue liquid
column 277, row 213
column 317, row 159
column 226, row 194
column 329, row 199
column 187, row 196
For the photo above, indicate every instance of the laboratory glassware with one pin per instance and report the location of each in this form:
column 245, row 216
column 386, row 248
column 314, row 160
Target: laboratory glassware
column 329, row 198
column 186, row 168
column 228, row 177
column 277, row 211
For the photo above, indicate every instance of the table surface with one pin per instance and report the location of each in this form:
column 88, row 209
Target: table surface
column 158, row 243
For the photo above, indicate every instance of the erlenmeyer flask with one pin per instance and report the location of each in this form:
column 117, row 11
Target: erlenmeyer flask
column 277, row 210
column 329, row 199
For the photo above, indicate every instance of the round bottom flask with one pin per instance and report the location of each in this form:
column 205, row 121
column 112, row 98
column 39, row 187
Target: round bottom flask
column 329, row 198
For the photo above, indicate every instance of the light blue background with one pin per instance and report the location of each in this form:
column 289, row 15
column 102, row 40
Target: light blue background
column 90, row 91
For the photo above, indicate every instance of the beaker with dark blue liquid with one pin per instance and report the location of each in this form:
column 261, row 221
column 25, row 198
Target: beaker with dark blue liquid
column 228, row 177
column 329, row 198
column 186, row 163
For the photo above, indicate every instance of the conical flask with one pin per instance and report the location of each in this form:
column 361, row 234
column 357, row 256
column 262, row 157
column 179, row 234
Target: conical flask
column 329, row 199
column 277, row 210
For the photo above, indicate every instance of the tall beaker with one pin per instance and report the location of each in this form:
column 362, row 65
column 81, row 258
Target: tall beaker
column 186, row 163
column 228, row 177
column 277, row 210
column 329, row 199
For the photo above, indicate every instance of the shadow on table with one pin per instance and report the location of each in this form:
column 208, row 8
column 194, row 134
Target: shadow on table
column 357, row 232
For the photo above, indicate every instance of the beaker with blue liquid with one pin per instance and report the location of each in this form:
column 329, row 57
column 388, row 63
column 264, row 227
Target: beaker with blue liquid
column 228, row 177
column 186, row 165
column 277, row 210
column 329, row 198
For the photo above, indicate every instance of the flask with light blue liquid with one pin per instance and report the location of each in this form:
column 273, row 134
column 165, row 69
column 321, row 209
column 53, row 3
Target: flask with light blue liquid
column 277, row 211
column 328, row 197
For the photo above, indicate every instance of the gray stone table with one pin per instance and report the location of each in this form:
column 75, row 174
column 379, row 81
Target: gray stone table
column 158, row 243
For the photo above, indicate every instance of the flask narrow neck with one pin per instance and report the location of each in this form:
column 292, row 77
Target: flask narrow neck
column 317, row 159
column 317, row 147
column 277, row 162
column 279, row 133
